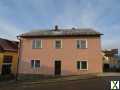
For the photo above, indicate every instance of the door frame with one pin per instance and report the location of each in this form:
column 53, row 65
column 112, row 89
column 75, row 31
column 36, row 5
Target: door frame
column 57, row 73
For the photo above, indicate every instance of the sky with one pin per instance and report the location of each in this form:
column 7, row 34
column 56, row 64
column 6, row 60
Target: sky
column 20, row 16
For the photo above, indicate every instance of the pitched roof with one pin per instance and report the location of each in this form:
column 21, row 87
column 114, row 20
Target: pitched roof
column 7, row 45
column 62, row 32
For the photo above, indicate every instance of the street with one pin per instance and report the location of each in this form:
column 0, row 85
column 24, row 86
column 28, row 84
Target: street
column 102, row 83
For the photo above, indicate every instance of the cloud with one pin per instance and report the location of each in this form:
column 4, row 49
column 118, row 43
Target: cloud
column 101, row 15
column 111, row 43
column 8, row 30
column 111, row 37
column 19, row 16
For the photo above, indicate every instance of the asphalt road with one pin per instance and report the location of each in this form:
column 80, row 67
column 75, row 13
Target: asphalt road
column 102, row 83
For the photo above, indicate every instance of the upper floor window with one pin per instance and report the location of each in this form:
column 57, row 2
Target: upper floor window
column 58, row 44
column 35, row 63
column 37, row 43
column 82, row 65
column 7, row 59
column 81, row 44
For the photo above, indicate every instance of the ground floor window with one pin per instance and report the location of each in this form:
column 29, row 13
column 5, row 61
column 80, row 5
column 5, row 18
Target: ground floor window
column 6, row 69
column 82, row 65
column 6, row 65
column 35, row 63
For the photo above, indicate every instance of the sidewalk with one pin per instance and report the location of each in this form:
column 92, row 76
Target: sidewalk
column 109, row 74
column 65, row 78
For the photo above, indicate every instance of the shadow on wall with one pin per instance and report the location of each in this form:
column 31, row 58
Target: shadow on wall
column 26, row 72
column 25, row 68
column 45, row 71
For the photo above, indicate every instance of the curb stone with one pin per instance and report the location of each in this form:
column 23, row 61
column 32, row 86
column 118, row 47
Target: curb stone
column 61, row 79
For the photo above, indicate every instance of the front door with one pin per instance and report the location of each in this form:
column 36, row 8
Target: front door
column 57, row 68
column 106, row 67
column 6, row 69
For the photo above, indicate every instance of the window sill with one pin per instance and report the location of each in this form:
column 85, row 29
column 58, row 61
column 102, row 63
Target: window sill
column 83, row 69
column 36, row 48
column 81, row 48
column 35, row 67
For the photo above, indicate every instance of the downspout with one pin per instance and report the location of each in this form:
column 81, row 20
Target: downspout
column 19, row 53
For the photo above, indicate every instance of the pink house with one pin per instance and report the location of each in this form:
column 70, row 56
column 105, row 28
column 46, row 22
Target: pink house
column 60, row 52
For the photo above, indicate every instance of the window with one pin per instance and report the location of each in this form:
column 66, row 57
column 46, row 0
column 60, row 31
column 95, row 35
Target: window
column 7, row 59
column 37, row 43
column 58, row 44
column 82, row 65
column 81, row 44
column 35, row 63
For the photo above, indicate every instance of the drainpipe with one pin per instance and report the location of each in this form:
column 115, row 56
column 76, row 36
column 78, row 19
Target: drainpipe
column 19, row 52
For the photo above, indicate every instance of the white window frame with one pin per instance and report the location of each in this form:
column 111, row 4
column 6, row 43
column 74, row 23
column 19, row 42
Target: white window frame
column 55, row 43
column 34, row 43
column 81, row 66
column 80, row 43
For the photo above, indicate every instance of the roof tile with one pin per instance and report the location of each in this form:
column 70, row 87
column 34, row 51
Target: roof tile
column 61, row 32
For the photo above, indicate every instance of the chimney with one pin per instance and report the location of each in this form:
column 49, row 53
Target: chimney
column 73, row 28
column 56, row 27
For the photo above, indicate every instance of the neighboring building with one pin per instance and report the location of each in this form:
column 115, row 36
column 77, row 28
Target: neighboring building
column 110, row 59
column 8, row 56
column 60, row 52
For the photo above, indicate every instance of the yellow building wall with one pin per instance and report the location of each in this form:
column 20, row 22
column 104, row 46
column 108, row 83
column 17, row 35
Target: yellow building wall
column 14, row 61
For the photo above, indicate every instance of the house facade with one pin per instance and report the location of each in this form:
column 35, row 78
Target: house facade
column 8, row 57
column 60, row 52
column 110, row 60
